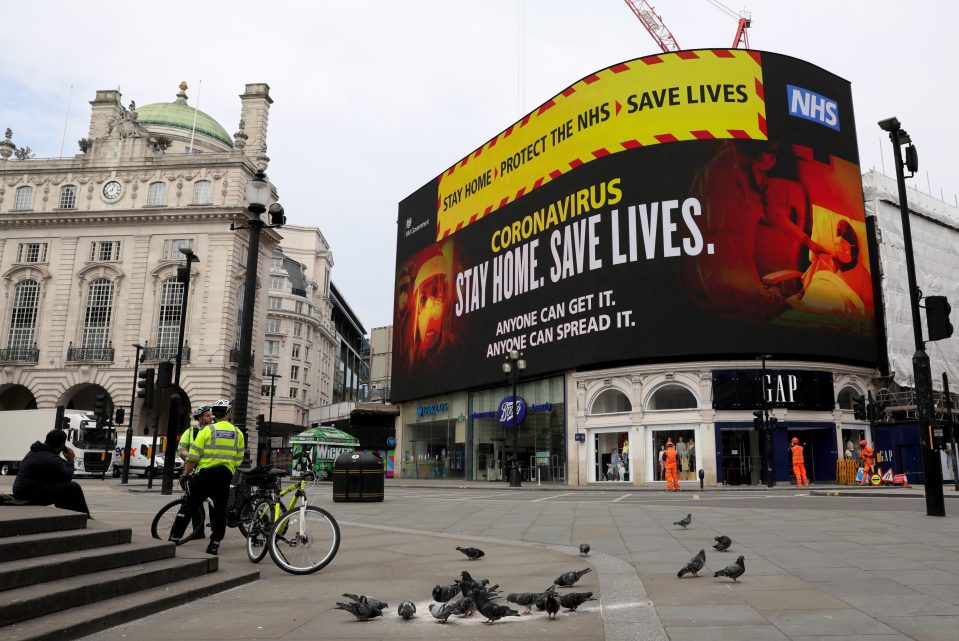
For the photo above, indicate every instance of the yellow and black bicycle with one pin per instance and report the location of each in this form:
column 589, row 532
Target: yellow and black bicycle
column 301, row 538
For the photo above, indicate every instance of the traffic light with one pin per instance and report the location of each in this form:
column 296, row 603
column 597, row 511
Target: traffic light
column 65, row 423
column 277, row 215
column 100, row 406
column 859, row 409
column 773, row 423
column 260, row 426
column 145, row 387
column 164, row 375
column 758, row 421
column 937, row 317
column 118, row 416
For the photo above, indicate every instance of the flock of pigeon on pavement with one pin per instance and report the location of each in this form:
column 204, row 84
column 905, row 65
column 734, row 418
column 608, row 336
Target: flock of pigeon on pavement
column 698, row 562
column 477, row 595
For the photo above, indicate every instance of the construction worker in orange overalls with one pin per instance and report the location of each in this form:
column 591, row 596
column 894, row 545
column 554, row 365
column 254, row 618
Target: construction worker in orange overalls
column 868, row 461
column 799, row 464
column 672, row 477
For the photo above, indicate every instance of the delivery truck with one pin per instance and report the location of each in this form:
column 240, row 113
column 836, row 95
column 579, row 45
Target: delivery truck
column 141, row 453
column 94, row 446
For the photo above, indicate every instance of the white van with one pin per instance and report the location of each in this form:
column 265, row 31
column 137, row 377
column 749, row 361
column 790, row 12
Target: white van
column 140, row 456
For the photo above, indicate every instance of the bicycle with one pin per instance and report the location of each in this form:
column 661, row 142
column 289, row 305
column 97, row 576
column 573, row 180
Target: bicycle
column 240, row 508
column 302, row 539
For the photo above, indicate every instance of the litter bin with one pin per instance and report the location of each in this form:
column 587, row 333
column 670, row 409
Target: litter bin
column 358, row 477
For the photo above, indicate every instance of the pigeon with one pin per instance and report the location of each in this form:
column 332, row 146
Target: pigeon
column 472, row 553
column 722, row 543
column 492, row 611
column 552, row 605
column 733, row 571
column 684, row 522
column 444, row 593
column 362, row 611
column 407, row 609
column 368, row 600
column 570, row 578
column 584, row 549
column 528, row 598
column 442, row 611
column 694, row 565
column 541, row 601
column 467, row 583
column 463, row 607
column 575, row 599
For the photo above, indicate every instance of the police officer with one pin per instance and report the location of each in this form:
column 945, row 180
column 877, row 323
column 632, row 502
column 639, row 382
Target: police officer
column 203, row 417
column 215, row 453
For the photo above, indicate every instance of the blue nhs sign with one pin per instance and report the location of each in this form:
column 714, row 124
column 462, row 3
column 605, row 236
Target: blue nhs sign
column 809, row 105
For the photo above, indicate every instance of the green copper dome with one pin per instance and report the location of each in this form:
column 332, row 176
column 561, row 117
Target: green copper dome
column 179, row 115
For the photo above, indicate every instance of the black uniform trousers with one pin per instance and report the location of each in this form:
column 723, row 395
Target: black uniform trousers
column 212, row 483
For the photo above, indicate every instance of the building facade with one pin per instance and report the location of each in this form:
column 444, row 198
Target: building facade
column 89, row 252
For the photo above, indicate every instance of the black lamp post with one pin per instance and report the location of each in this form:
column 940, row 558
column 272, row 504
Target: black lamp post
column 513, row 367
column 173, row 414
column 128, row 442
column 931, row 465
column 258, row 195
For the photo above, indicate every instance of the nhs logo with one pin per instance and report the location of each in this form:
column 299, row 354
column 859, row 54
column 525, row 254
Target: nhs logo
column 811, row 106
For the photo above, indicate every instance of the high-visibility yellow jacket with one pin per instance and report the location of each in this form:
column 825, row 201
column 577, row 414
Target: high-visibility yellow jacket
column 186, row 440
column 218, row 444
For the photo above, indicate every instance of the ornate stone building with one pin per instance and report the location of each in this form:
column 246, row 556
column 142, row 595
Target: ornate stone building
column 89, row 257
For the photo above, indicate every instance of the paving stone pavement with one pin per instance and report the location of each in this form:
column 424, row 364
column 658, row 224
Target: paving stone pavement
column 811, row 573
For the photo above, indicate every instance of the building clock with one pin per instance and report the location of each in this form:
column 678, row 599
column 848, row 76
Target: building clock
column 112, row 190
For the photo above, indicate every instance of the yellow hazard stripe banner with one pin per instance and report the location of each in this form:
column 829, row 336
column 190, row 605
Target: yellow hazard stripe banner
column 687, row 95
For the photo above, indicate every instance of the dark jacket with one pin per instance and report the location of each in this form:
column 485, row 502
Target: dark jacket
column 41, row 466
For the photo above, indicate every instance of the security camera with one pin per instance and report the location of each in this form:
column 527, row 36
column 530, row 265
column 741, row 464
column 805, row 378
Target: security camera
column 889, row 124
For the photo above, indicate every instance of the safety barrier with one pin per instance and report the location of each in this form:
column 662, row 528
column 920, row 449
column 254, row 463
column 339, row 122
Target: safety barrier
column 846, row 471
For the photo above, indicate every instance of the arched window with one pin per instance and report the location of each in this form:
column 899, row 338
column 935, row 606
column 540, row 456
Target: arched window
column 672, row 397
column 23, row 316
column 156, row 194
column 168, row 323
column 68, row 197
column 846, row 397
column 24, row 198
column 202, row 192
column 96, row 321
column 611, row 401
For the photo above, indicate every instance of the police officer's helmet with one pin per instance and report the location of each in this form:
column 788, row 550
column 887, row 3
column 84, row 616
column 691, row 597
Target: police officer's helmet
column 220, row 408
column 200, row 411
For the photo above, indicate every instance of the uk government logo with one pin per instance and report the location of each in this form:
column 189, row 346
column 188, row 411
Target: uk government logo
column 811, row 106
column 410, row 229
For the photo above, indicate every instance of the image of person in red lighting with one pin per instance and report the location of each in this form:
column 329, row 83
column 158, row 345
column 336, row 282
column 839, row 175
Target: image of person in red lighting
column 430, row 302
column 837, row 282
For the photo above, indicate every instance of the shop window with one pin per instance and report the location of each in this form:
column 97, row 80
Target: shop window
column 672, row 397
column 611, row 401
column 846, row 397
column 683, row 438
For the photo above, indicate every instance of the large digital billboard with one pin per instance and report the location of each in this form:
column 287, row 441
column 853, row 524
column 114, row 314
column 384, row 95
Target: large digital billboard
column 697, row 204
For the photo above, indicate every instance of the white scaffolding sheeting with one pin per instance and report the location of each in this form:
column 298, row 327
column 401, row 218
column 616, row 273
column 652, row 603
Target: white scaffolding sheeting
column 935, row 240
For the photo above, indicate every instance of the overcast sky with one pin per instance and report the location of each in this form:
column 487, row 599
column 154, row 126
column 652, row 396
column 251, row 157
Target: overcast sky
column 372, row 98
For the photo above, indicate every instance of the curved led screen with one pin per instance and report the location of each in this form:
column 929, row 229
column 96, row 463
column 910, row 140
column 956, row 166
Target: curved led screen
column 696, row 204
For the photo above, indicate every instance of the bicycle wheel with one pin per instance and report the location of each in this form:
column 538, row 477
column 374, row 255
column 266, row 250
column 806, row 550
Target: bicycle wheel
column 304, row 540
column 259, row 532
column 162, row 524
column 245, row 514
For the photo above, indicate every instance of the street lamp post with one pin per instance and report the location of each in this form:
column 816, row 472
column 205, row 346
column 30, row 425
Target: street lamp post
column 931, row 464
column 513, row 367
column 173, row 413
column 128, row 442
column 258, row 194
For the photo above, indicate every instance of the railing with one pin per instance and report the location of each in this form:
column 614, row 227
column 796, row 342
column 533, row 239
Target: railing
column 164, row 353
column 235, row 356
column 20, row 355
column 85, row 354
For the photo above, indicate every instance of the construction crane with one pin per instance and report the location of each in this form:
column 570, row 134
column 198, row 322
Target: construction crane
column 667, row 41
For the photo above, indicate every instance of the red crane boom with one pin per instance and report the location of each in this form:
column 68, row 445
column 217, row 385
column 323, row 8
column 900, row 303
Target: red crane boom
column 654, row 25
